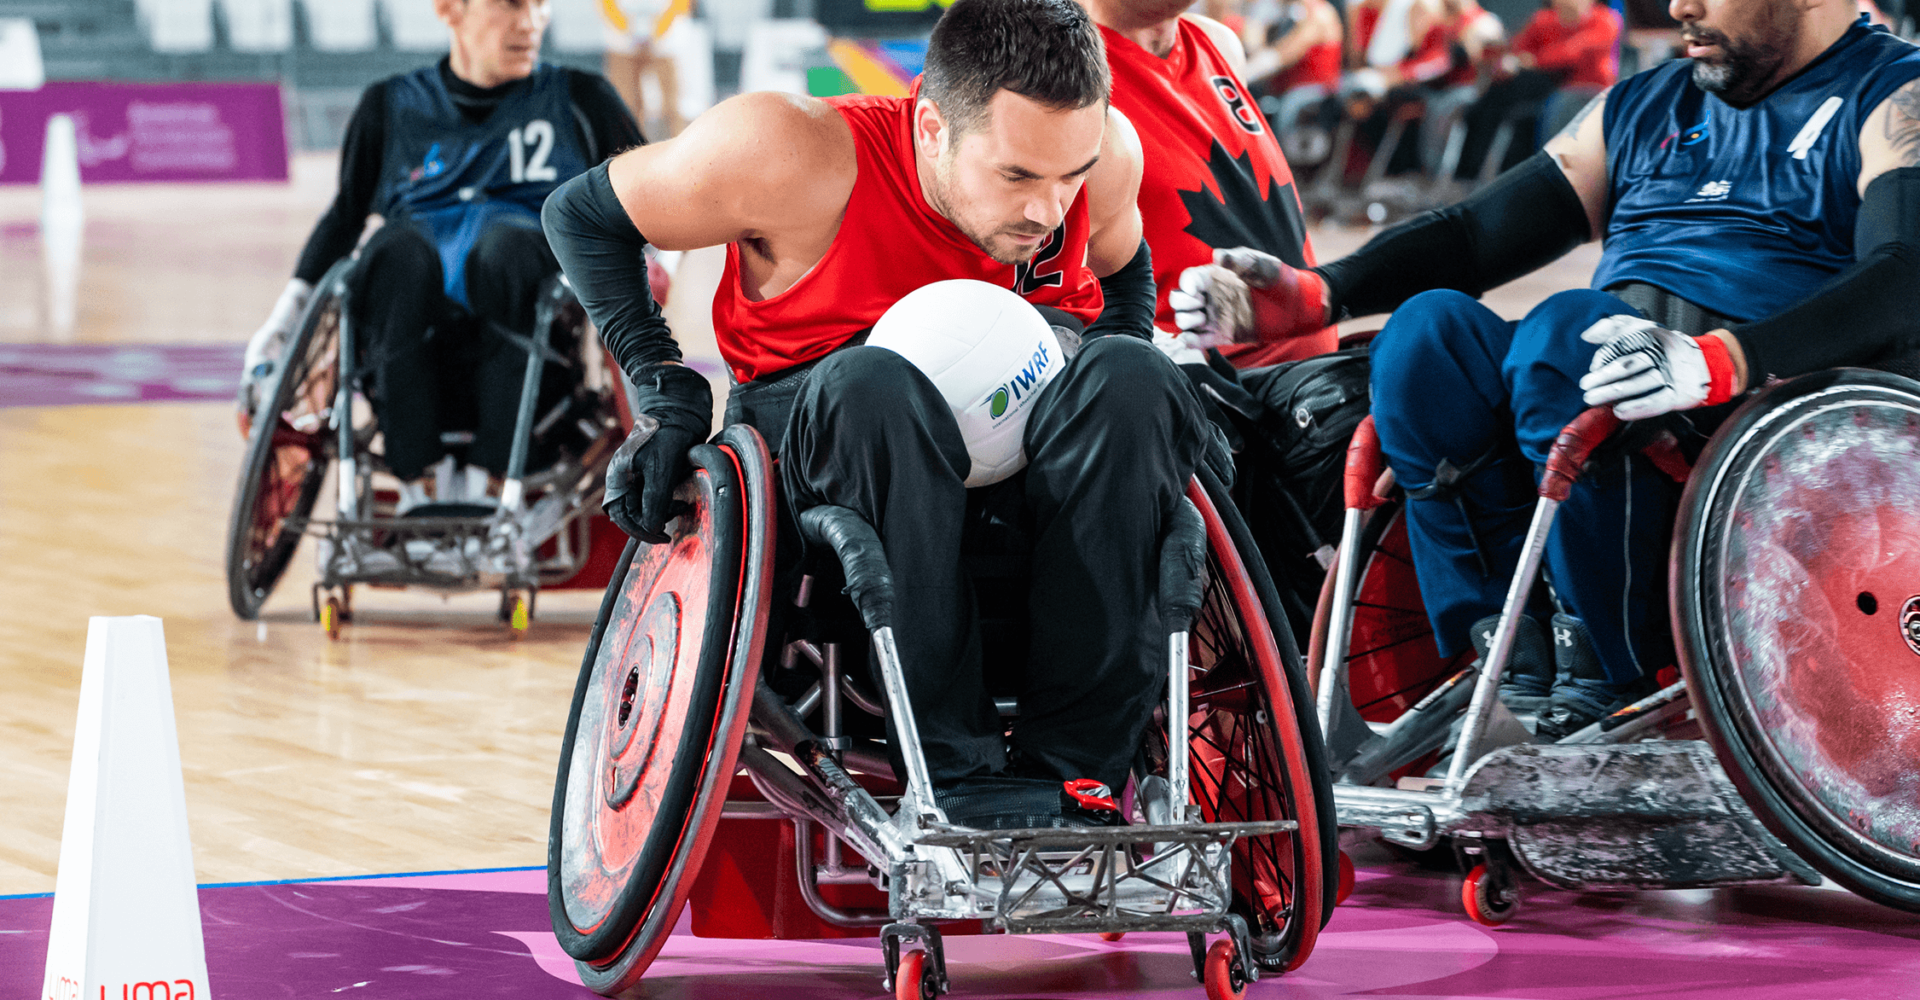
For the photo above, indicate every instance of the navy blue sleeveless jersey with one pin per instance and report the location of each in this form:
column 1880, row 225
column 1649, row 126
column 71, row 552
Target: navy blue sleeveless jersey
column 1744, row 212
column 456, row 177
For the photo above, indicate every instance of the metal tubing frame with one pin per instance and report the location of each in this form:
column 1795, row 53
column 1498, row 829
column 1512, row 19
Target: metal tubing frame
column 513, row 492
column 1340, row 623
column 348, row 486
column 919, row 782
column 1178, row 710
column 1486, row 690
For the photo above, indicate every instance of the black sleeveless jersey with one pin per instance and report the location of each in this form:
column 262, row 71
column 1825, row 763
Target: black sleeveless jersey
column 455, row 177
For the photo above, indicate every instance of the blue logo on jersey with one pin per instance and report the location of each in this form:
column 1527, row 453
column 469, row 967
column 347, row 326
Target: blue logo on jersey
column 1688, row 137
column 433, row 167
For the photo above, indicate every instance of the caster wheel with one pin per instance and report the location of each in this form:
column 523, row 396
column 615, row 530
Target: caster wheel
column 1346, row 879
column 1226, row 978
column 1112, row 935
column 1491, row 896
column 914, row 980
column 518, row 615
column 331, row 615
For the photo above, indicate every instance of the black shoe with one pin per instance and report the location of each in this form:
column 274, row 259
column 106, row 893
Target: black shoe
column 1528, row 677
column 1582, row 693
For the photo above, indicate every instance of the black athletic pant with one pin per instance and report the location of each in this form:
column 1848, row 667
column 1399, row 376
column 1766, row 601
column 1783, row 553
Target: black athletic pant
column 436, row 366
column 1111, row 443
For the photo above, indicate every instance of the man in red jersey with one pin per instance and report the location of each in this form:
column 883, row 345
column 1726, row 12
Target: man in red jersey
column 1215, row 178
column 1007, row 167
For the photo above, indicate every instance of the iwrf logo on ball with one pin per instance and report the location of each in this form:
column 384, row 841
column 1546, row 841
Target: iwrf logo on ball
column 1024, row 383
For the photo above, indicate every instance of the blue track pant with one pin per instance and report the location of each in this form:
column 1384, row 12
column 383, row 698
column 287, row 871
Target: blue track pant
column 1454, row 381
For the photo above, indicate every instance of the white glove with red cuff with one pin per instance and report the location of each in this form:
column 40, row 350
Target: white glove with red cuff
column 1644, row 370
column 1245, row 296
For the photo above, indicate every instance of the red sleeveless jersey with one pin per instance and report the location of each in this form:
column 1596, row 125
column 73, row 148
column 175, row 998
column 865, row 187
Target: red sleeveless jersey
column 890, row 242
column 1215, row 176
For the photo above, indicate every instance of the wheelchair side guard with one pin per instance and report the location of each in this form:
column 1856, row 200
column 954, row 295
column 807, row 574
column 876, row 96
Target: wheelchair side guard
column 1796, row 589
column 1630, row 816
column 668, row 678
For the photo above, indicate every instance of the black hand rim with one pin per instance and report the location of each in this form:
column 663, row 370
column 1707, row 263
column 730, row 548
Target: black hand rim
column 254, row 563
column 1298, row 690
column 1772, row 793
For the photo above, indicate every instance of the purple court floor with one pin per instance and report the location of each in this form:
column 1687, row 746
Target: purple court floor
column 483, row 934
column 69, row 374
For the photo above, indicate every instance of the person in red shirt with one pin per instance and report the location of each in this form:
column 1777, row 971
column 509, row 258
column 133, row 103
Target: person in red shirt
column 1008, row 167
column 1570, row 44
column 1214, row 177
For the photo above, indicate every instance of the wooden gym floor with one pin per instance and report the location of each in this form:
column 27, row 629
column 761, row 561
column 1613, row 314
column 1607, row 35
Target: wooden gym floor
column 425, row 739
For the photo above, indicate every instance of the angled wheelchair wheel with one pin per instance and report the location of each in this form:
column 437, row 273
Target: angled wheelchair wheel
column 1392, row 659
column 289, row 449
column 658, row 716
column 1255, row 747
column 1796, row 593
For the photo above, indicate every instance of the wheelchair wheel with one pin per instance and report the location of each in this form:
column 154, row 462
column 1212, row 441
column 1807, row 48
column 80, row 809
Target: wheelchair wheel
column 288, row 451
column 1255, row 747
column 1796, row 593
column 658, row 717
column 1392, row 659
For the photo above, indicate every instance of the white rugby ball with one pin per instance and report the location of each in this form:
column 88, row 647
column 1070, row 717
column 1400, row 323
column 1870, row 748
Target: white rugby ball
column 988, row 352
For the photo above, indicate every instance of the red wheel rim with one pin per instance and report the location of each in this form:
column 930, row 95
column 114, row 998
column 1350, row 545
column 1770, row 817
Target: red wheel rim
column 1819, row 561
column 640, row 705
column 1392, row 660
column 1245, row 767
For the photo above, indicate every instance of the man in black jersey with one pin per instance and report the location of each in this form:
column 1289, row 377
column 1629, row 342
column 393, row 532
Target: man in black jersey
column 456, row 159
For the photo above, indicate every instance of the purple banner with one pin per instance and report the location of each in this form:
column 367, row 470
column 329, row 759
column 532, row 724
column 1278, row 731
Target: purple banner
column 150, row 131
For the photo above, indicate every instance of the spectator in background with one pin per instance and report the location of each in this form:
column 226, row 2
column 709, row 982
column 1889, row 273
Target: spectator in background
column 1294, row 53
column 1402, row 51
column 1570, row 45
column 634, row 30
column 1475, row 38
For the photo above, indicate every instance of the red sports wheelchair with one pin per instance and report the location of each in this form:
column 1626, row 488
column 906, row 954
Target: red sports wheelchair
column 1786, row 745
column 717, row 750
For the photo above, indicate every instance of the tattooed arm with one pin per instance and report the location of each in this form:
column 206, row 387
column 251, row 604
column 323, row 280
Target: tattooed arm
column 1581, row 151
column 1890, row 138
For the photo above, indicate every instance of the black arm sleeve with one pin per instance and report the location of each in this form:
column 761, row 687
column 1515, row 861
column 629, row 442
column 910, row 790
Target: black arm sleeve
column 608, row 126
column 360, row 156
column 604, row 257
column 1130, row 298
column 1868, row 312
column 1527, row 218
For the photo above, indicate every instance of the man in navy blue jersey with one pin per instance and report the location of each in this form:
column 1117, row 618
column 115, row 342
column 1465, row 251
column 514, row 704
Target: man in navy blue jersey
column 1760, row 206
column 457, row 159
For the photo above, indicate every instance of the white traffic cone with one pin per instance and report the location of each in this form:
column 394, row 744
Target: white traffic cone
column 62, row 221
column 126, row 914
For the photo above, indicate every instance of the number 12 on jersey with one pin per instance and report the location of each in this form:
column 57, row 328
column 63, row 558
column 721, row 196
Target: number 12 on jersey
column 539, row 135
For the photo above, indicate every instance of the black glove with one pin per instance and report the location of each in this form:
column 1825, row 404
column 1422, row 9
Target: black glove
column 674, row 412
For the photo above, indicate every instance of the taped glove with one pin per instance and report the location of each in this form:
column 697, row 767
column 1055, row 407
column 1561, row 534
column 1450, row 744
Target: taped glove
column 1246, row 296
column 674, row 412
column 1644, row 370
column 267, row 344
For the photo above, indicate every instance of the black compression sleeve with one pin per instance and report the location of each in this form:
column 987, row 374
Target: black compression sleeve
column 1527, row 218
column 360, row 155
column 1130, row 297
column 610, row 126
column 1867, row 312
column 604, row 257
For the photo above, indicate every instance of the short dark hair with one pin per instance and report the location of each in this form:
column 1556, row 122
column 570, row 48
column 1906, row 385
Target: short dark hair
column 1047, row 51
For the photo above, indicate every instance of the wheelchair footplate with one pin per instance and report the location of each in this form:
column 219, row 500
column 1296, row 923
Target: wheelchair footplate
column 446, row 553
column 1168, row 877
